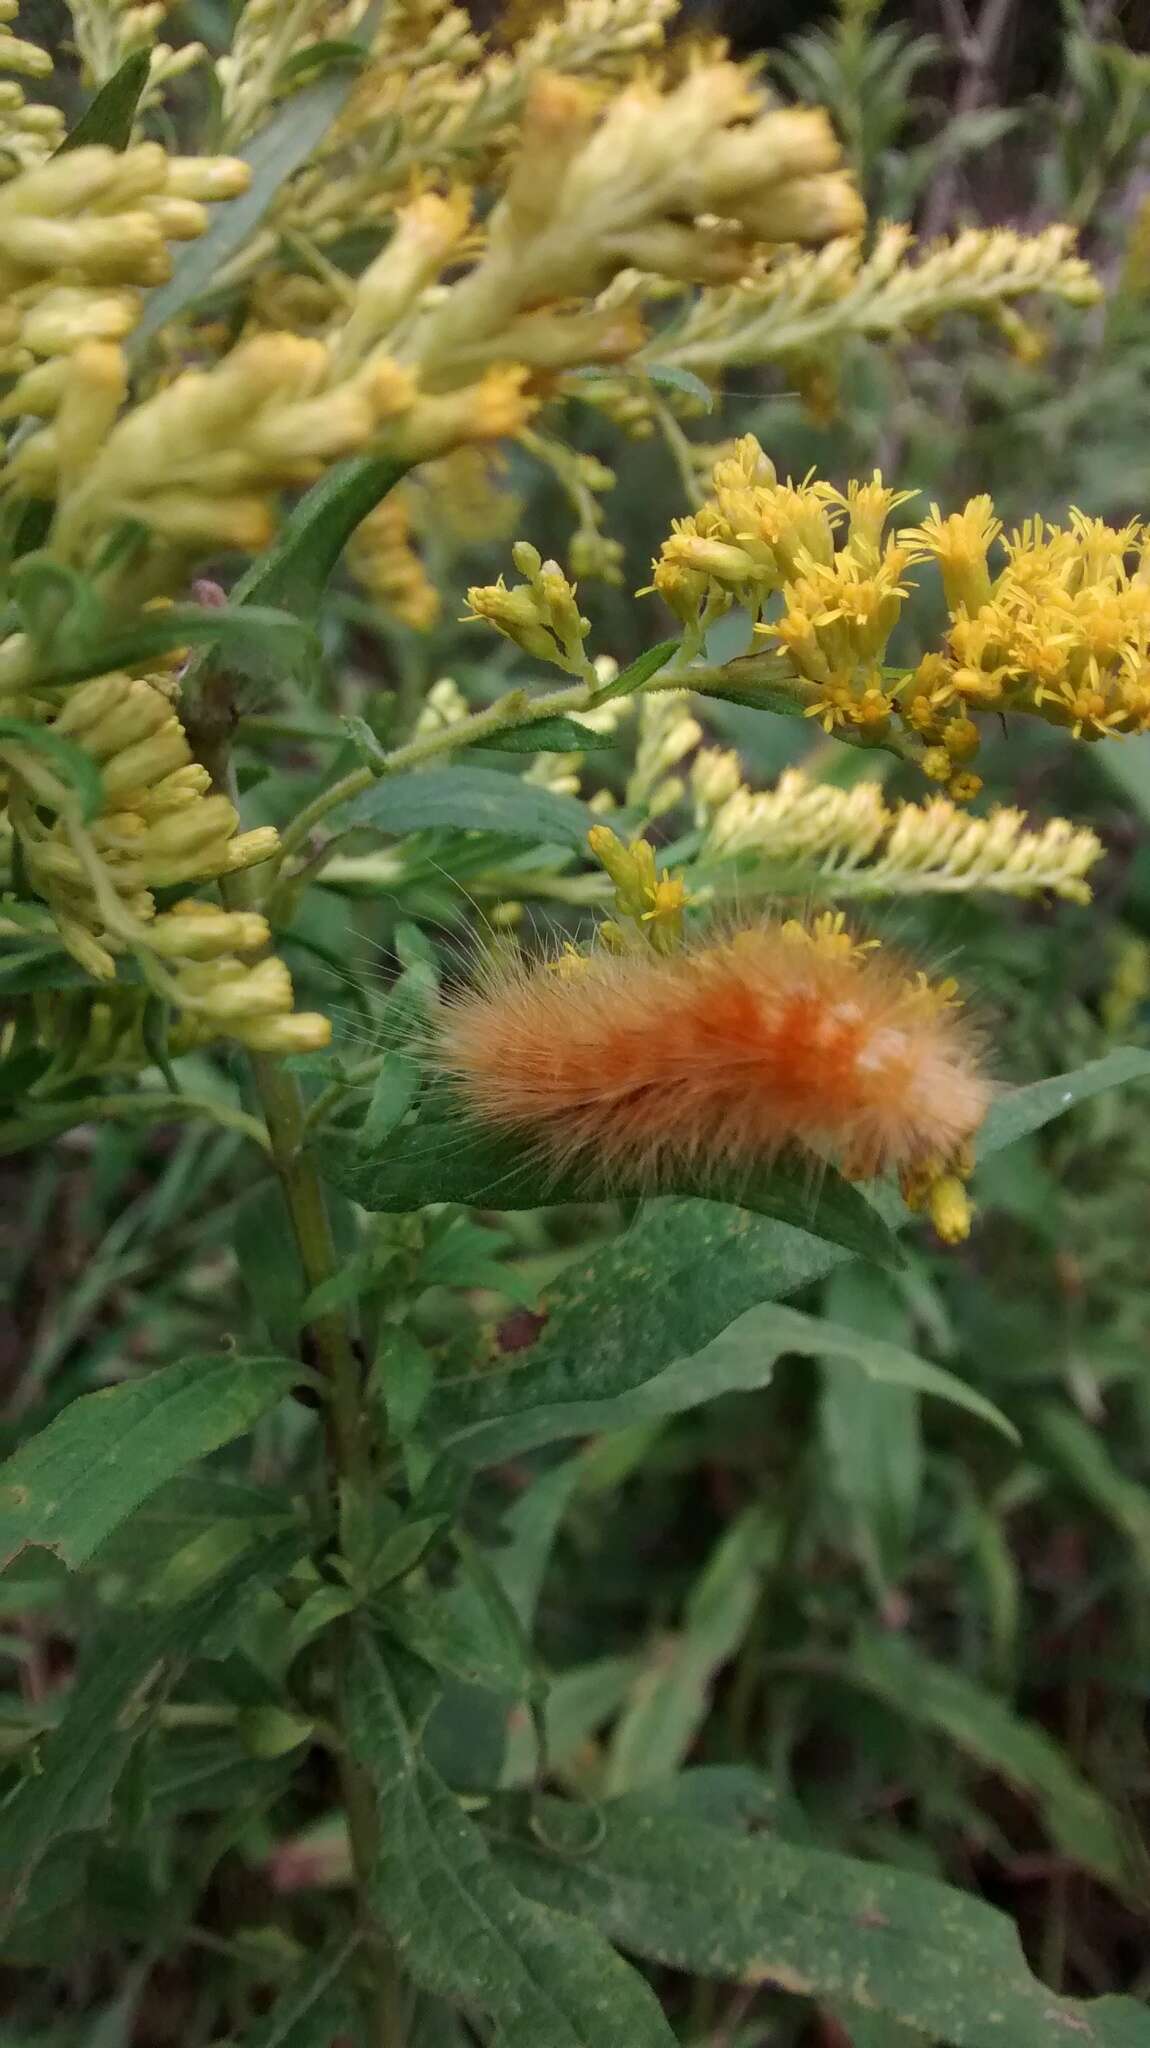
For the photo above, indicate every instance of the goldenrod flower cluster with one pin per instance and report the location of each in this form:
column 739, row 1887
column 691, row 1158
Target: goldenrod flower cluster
column 797, row 306
column 159, row 826
column 107, row 32
column 79, row 236
column 1059, row 630
column 28, row 132
column 540, row 614
column 1062, row 628
column 199, row 462
column 849, row 842
column 652, row 904
column 431, row 96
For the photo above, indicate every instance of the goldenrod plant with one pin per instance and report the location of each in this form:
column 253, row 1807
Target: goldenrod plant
column 481, row 990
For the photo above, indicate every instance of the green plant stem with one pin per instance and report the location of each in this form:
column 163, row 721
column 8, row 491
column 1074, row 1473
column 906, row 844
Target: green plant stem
column 350, row 1467
column 735, row 680
column 349, row 1439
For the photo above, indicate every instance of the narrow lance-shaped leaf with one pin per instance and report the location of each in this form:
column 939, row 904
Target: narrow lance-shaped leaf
column 67, row 761
column 110, row 115
column 759, row 1910
column 987, row 1728
column 469, row 800
column 543, row 1979
column 69, row 1486
column 451, row 1158
column 632, row 1329
column 261, row 642
column 670, row 1697
column 557, row 735
column 619, row 1359
column 273, row 155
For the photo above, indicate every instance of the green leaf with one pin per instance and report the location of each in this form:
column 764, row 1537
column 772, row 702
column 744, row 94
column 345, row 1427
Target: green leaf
column 672, row 378
column 635, row 1329
column 49, row 596
column 1127, row 763
column 542, row 1978
column 468, row 800
column 461, row 1634
column 393, row 1091
column 671, row 1696
column 110, row 115
column 273, row 155
column 637, row 672
column 189, row 1773
column 869, row 1429
column 758, row 1910
column 556, row 735
column 323, row 56
column 296, row 570
column 450, row 1158
column 77, row 768
column 260, row 643
column 1026, row 1109
column 578, row 1703
column 986, row 1728
column 673, row 1314
column 81, row 1760
column 1082, row 1454
column 72, row 1484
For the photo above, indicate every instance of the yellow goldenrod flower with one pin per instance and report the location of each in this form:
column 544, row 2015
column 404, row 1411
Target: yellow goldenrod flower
column 540, row 614
column 652, row 903
column 960, row 545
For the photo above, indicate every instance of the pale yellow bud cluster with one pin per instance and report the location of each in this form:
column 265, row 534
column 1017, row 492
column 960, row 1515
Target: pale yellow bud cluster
column 667, row 734
column 848, row 842
column 158, row 825
column 431, row 94
column 213, row 993
column 219, row 994
column 78, row 236
column 467, row 497
column 582, row 478
column 652, row 904
column 444, row 705
column 108, row 32
column 797, row 307
column 1129, row 986
column 540, row 614
column 198, row 463
column 28, row 133
column 683, row 183
column 384, row 562
column 937, row 1188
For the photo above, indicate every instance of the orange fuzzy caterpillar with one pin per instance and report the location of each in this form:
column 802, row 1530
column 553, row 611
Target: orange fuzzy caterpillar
column 731, row 1051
